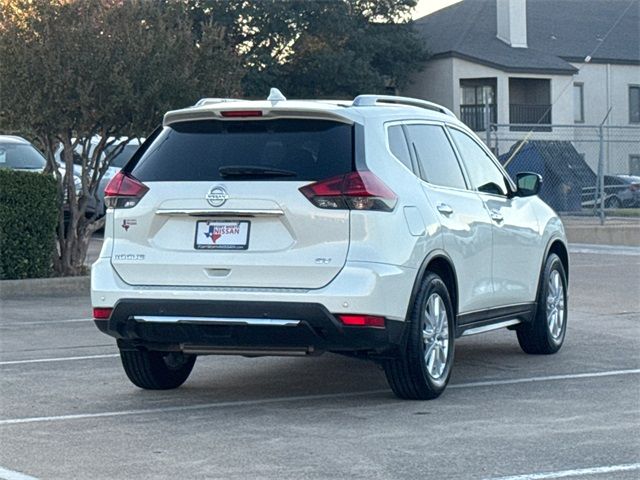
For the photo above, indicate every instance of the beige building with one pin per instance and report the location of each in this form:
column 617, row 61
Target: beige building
column 560, row 62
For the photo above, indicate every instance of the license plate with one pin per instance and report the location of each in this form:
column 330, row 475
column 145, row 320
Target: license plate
column 212, row 235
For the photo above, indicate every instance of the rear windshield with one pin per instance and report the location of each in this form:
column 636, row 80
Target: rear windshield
column 206, row 150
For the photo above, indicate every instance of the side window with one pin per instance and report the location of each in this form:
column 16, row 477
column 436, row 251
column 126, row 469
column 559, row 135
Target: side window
column 484, row 174
column 77, row 159
column 398, row 145
column 437, row 160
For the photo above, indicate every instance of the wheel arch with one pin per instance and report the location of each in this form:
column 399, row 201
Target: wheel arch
column 558, row 247
column 440, row 263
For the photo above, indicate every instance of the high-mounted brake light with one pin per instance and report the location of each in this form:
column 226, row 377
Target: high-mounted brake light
column 241, row 113
column 353, row 191
column 362, row 321
column 124, row 191
column 101, row 313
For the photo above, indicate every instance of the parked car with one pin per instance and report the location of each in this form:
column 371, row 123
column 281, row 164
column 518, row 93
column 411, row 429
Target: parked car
column 17, row 153
column 622, row 191
column 380, row 228
column 117, row 162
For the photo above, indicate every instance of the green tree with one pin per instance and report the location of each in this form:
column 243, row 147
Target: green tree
column 320, row 48
column 72, row 70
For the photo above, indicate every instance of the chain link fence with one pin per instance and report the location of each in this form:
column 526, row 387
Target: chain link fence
column 586, row 169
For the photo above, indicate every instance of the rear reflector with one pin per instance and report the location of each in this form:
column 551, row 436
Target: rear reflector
column 354, row 191
column 101, row 313
column 241, row 113
column 362, row 321
column 124, row 191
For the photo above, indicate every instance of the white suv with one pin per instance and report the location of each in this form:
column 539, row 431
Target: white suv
column 379, row 227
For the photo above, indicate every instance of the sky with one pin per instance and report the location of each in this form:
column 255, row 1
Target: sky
column 425, row 7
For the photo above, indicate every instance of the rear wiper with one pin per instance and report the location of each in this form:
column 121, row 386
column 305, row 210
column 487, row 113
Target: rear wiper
column 254, row 171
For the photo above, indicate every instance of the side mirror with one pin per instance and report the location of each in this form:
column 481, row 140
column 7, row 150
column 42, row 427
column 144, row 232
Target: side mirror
column 528, row 184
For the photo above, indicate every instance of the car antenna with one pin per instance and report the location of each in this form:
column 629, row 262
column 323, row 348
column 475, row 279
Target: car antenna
column 275, row 96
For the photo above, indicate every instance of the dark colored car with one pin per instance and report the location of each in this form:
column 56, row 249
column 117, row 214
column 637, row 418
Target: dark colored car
column 622, row 191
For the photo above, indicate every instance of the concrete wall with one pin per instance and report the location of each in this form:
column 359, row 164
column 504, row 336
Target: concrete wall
column 435, row 83
column 607, row 86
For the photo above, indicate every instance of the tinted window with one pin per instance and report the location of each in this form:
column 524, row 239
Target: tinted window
column 484, row 174
column 437, row 160
column 398, row 145
column 196, row 151
column 123, row 156
column 20, row 156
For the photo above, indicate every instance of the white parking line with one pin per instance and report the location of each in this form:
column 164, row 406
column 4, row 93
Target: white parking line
column 574, row 473
column 6, row 474
column 267, row 401
column 58, row 359
column 568, row 376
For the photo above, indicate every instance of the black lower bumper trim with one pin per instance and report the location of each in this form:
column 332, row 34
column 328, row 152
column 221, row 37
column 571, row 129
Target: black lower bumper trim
column 317, row 331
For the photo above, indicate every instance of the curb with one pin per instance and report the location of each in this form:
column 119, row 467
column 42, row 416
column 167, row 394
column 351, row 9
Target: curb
column 604, row 235
column 64, row 286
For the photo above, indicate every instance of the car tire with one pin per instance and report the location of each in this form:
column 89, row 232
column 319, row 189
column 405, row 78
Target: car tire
column 156, row 370
column 421, row 370
column 546, row 332
column 613, row 202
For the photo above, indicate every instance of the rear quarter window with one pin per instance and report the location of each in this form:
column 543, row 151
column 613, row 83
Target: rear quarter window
column 197, row 150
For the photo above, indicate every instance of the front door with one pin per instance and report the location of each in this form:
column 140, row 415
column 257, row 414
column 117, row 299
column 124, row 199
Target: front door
column 516, row 239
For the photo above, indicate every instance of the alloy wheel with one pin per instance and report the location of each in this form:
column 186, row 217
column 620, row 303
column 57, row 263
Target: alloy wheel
column 435, row 336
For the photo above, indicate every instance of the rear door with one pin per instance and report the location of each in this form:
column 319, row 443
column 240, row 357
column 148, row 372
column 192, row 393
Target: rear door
column 224, row 208
column 466, row 226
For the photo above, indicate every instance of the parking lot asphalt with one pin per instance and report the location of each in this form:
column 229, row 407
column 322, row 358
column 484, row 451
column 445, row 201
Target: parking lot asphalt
column 67, row 410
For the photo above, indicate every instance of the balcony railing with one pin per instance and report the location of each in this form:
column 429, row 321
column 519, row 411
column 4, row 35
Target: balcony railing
column 532, row 114
column 473, row 116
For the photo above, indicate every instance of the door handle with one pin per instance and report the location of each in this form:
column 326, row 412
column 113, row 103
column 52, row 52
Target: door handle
column 496, row 216
column 444, row 209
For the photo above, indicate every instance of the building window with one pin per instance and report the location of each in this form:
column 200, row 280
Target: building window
column 634, row 165
column 578, row 103
column 475, row 94
column 634, row 104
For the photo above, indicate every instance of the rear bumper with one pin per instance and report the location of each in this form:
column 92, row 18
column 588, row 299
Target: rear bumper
column 360, row 287
column 246, row 328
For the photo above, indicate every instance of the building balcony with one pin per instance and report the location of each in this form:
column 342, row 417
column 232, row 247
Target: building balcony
column 474, row 116
column 530, row 114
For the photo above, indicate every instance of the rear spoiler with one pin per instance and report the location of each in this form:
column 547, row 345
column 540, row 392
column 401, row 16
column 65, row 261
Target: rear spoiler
column 206, row 112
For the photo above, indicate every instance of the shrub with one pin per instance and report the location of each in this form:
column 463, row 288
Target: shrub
column 28, row 216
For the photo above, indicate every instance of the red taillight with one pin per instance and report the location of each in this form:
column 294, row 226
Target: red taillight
column 354, row 191
column 362, row 321
column 124, row 191
column 101, row 313
column 241, row 113
column 634, row 187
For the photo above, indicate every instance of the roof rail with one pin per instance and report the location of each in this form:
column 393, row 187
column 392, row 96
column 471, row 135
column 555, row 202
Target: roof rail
column 373, row 100
column 207, row 101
